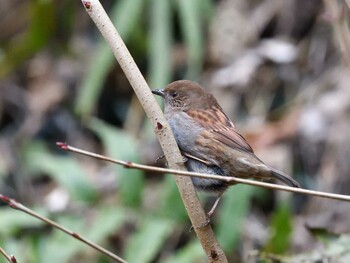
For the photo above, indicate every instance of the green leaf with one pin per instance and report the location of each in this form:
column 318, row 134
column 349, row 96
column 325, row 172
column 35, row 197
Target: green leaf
column 172, row 205
column 281, row 230
column 21, row 250
column 235, row 206
column 106, row 223
column 12, row 221
column 93, row 80
column 121, row 146
column 3, row 169
column 160, row 43
column 191, row 27
column 337, row 250
column 322, row 234
column 60, row 247
column 64, row 170
column 146, row 243
column 35, row 37
column 192, row 252
column 125, row 16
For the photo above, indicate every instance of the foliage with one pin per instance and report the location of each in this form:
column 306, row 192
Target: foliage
column 56, row 73
column 281, row 229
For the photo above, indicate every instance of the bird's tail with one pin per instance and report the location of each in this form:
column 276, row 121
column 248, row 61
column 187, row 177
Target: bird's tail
column 284, row 178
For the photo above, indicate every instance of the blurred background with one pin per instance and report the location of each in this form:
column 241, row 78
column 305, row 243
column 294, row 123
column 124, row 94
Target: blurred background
column 280, row 70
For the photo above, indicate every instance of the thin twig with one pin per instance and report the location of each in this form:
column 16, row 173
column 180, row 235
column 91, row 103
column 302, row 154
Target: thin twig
column 162, row 129
column 11, row 258
column 229, row 180
column 348, row 3
column 18, row 206
column 341, row 27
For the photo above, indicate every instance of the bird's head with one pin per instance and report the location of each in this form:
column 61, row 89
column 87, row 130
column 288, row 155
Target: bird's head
column 182, row 95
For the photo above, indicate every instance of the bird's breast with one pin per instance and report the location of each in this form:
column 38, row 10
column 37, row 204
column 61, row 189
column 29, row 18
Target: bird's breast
column 185, row 130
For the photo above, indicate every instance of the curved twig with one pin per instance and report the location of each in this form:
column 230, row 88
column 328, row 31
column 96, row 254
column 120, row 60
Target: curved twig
column 229, row 180
column 18, row 206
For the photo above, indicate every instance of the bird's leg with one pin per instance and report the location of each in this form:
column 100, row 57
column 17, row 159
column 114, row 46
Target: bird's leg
column 212, row 210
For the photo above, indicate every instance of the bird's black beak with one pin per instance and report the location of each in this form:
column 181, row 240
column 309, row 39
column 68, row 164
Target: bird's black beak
column 159, row 92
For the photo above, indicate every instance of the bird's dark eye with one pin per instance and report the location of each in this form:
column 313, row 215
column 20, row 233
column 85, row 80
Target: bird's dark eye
column 173, row 94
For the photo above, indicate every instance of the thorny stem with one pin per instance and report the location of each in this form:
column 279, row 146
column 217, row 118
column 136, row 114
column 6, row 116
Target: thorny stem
column 229, row 180
column 18, row 206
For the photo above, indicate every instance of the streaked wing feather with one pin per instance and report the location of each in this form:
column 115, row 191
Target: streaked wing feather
column 233, row 139
column 215, row 121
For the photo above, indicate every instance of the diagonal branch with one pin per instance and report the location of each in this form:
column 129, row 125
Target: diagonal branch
column 348, row 3
column 229, row 180
column 167, row 141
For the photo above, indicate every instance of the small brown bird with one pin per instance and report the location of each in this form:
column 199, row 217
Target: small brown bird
column 209, row 140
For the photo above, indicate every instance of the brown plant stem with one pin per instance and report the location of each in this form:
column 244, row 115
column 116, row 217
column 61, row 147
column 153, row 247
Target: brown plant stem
column 11, row 258
column 229, row 180
column 188, row 194
column 348, row 3
column 18, row 206
column 339, row 21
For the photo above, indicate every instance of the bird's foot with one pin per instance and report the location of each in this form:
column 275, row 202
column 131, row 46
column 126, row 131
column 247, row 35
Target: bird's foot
column 210, row 213
column 205, row 224
column 159, row 158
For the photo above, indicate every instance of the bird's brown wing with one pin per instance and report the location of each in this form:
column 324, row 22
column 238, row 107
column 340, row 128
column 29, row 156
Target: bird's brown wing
column 215, row 121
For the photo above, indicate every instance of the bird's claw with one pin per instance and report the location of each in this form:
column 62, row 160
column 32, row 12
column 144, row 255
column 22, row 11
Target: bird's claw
column 159, row 158
column 205, row 224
